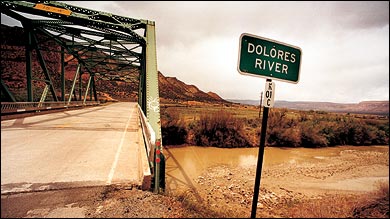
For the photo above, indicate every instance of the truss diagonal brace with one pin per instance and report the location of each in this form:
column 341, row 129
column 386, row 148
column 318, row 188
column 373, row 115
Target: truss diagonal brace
column 7, row 92
column 44, row 68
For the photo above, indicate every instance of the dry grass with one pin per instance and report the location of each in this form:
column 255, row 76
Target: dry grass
column 196, row 208
column 327, row 207
column 375, row 204
column 371, row 205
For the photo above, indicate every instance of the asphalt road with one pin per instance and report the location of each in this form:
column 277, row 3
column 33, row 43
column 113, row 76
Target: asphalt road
column 86, row 147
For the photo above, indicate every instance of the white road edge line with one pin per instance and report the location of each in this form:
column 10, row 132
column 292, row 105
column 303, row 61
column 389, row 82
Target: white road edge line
column 113, row 167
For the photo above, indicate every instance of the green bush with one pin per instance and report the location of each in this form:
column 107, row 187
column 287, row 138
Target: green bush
column 318, row 129
column 173, row 130
column 220, row 129
column 208, row 127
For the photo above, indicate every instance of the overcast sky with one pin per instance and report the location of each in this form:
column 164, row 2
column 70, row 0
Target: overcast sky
column 345, row 45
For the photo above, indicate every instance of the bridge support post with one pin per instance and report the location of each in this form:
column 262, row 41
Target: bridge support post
column 80, row 85
column 29, row 64
column 62, row 74
column 94, row 88
column 142, row 82
column 152, row 96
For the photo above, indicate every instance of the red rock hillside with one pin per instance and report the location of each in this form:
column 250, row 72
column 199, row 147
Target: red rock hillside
column 13, row 74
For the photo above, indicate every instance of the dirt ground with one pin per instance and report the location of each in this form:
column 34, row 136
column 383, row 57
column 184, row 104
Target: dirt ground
column 286, row 186
column 224, row 191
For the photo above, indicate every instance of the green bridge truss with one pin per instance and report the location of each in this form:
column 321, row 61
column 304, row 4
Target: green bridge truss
column 104, row 45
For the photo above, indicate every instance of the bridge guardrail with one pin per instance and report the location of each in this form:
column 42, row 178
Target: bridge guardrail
column 149, row 135
column 20, row 107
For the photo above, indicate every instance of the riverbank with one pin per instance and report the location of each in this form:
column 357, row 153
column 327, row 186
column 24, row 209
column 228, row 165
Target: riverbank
column 333, row 181
column 344, row 182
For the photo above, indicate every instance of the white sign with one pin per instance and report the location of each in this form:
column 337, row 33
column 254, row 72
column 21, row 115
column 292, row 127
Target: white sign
column 268, row 100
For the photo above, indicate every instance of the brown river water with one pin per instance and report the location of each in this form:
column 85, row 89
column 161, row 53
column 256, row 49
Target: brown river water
column 185, row 164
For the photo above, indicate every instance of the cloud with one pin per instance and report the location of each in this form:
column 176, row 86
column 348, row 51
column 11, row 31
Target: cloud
column 362, row 14
column 345, row 45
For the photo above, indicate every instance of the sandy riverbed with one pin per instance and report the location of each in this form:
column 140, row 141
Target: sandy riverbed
column 301, row 175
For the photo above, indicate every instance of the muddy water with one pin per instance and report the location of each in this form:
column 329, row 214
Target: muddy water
column 184, row 164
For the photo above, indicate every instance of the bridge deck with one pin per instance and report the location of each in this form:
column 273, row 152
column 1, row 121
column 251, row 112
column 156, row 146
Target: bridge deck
column 87, row 147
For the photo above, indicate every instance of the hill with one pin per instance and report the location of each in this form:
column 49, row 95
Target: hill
column 364, row 107
column 173, row 90
column 13, row 69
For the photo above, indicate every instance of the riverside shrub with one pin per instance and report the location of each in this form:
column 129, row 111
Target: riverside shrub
column 173, row 130
column 220, row 129
column 285, row 128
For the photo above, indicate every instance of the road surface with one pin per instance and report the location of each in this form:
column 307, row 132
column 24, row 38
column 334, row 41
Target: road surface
column 87, row 147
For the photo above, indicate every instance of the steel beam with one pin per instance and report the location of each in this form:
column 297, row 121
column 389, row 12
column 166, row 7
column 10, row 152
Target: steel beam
column 74, row 83
column 80, row 84
column 62, row 74
column 94, row 88
column 152, row 95
column 116, row 33
column 44, row 68
column 142, row 82
column 7, row 92
column 44, row 93
column 29, row 65
column 87, row 89
column 80, row 16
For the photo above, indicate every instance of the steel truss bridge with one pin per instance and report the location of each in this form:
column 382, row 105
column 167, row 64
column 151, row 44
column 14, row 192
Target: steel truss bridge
column 105, row 46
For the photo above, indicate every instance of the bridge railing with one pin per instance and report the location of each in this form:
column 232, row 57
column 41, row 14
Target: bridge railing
column 20, row 107
column 149, row 135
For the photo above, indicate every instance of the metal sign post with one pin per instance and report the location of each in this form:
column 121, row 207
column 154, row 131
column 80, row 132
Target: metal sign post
column 271, row 93
column 270, row 59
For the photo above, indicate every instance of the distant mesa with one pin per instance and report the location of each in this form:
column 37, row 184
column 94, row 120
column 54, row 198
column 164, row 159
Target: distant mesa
column 364, row 107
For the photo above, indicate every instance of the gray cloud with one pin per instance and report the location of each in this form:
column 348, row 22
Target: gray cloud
column 189, row 21
column 371, row 14
column 345, row 45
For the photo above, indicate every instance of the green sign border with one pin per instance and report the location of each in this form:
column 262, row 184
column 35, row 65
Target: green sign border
column 267, row 74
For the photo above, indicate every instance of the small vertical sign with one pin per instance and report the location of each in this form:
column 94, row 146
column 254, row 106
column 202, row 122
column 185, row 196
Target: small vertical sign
column 269, row 94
